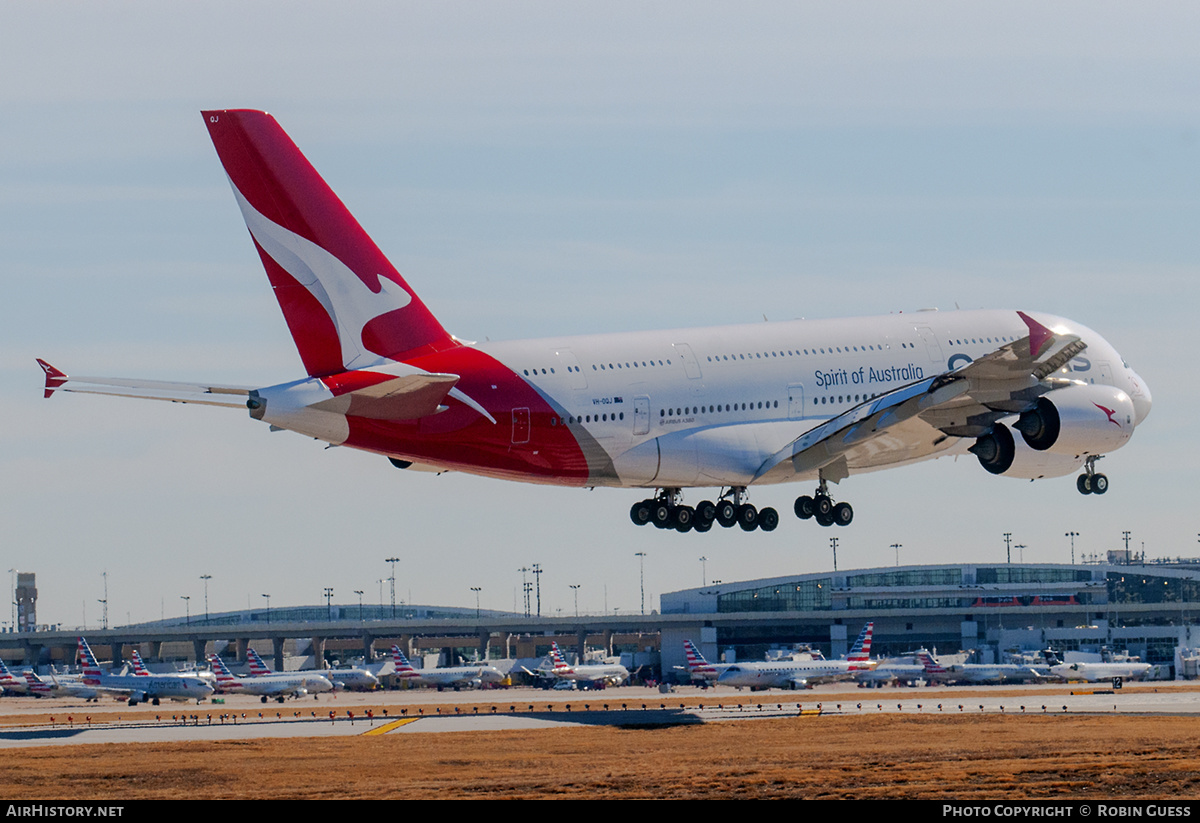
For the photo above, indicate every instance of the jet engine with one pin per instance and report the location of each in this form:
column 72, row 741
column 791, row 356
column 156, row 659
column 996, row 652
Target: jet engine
column 1065, row 428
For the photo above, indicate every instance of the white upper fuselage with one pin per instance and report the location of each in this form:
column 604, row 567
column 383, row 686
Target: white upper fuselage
column 707, row 406
column 786, row 674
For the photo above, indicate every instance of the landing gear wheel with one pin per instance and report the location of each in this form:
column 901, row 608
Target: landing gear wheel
column 706, row 510
column 823, row 505
column 701, row 525
column 768, row 519
column 747, row 517
column 1099, row 484
column 824, row 519
column 843, row 514
column 640, row 513
column 683, row 517
column 805, row 507
column 726, row 514
column 1084, row 484
column 661, row 515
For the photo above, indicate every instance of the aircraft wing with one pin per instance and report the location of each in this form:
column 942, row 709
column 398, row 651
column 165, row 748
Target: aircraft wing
column 920, row 418
column 204, row 394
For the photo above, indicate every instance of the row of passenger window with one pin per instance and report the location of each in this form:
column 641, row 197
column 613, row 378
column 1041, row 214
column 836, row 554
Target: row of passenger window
column 714, row 358
column 716, row 409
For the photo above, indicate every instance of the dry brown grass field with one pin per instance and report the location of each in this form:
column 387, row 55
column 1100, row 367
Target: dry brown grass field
column 928, row 756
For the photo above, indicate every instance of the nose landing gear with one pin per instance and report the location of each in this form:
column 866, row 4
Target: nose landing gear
column 1091, row 481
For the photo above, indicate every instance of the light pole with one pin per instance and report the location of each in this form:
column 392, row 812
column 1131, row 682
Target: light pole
column 268, row 608
column 833, row 541
column 477, row 590
column 1008, row 545
column 897, row 547
column 1072, row 535
column 703, row 571
column 187, row 605
column 575, row 588
column 393, row 561
column 525, row 587
column 329, row 602
column 206, row 578
column 537, row 576
column 641, row 556
column 360, row 610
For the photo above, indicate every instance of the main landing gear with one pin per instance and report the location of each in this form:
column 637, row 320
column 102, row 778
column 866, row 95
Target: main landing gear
column 667, row 511
column 1091, row 481
column 822, row 508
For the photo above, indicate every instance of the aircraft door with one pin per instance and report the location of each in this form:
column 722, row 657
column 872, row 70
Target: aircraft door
column 931, row 344
column 520, row 426
column 795, row 401
column 641, row 415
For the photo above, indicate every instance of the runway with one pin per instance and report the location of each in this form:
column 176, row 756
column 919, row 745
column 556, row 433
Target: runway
column 29, row 722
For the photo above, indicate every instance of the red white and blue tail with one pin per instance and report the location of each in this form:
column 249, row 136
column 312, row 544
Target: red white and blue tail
column 697, row 665
column 559, row 663
column 860, row 653
column 91, row 669
column 346, row 306
column 139, row 668
column 403, row 667
column 932, row 667
column 257, row 667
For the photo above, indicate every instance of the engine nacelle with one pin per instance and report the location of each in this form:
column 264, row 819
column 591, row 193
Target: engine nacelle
column 1030, row 464
column 1080, row 420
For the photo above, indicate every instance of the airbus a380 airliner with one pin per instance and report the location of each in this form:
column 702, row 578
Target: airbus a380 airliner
column 730, row 407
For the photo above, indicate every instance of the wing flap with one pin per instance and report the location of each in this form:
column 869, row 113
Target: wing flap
column 406, row 397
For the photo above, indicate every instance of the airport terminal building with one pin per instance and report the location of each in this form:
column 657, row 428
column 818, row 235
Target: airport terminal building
column 1145, row 608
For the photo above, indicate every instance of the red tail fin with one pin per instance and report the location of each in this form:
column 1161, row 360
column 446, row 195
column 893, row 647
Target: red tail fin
column 346, row 306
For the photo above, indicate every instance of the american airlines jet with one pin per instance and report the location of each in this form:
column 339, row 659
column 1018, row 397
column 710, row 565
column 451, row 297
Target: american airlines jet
column 732, row 408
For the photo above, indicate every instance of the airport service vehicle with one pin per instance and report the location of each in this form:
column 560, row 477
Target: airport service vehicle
column 140, row 689
column 586, row 674
column 800, row 674
column 272, row 686
column 351, row 678
column 454, row 677
column 1095, row 672
column 975, row 672
column 731, row 407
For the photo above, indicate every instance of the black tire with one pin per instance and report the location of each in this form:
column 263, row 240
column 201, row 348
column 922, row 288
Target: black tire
column 768, row 519
column 706, row 510
column 640, row 513
column 824, row 519
column 660, row 515
column 843, row 514
column 747, row 517
column 1099, row 484
column 726, row 514
column 805, row 507
column 823, row 505
column 683, row 517
column 1084, row 484
column 701, row 526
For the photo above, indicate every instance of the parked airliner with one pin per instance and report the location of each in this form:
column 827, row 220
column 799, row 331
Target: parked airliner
column 730, row 408
column 800, row 674
column 139, row 689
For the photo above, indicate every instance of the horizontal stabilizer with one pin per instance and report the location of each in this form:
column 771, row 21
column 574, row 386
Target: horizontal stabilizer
column 199, row 393
column 406, row 397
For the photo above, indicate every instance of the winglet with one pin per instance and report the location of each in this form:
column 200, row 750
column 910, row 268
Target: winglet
column 1039, row 336
column 54, row 377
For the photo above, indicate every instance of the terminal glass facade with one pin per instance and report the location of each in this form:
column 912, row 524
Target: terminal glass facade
column 801, row 596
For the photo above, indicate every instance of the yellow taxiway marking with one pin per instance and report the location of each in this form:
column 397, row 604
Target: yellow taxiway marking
column 395, row 724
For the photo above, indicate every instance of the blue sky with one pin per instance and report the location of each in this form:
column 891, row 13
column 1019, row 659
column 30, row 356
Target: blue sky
column 544, row 168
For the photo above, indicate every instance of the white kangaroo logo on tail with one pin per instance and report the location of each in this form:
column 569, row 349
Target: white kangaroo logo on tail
column 349, row 301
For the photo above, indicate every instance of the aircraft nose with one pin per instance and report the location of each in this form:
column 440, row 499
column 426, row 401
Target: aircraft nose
column 1140, row 395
